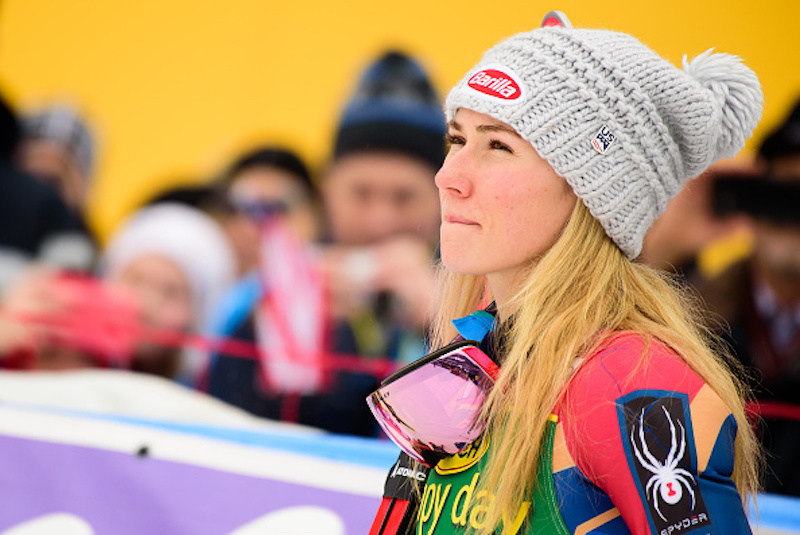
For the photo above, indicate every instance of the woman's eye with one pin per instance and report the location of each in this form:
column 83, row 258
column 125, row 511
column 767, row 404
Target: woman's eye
column 450, row 139
column 500, row 146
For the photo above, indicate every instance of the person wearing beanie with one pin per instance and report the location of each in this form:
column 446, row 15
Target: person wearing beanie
column 176, row 263
column 759, row 295
column 611, row 410
column 382, row 208
column 389, row 144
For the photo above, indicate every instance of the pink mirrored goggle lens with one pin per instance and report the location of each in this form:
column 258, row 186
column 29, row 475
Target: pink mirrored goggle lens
column 432, row 410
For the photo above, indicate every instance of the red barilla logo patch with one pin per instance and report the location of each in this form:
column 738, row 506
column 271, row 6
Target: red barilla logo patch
column 495, row 83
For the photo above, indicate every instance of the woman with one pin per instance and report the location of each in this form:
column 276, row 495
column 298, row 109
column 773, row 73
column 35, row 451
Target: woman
column 612, row 411
column 175, row 263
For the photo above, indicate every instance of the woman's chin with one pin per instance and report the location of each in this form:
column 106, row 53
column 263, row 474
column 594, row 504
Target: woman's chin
column 462, row 265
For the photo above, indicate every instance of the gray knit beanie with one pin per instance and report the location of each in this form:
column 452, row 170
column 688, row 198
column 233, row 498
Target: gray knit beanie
column 622, row 125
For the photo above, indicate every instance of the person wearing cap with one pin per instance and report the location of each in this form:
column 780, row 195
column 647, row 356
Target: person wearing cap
column 58, row 148
column 759, row 296
column 382, row 207
column 264, row 180
column 613, row 412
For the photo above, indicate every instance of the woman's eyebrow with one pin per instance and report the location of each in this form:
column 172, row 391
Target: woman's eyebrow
column 486, row 128
column 497, row 128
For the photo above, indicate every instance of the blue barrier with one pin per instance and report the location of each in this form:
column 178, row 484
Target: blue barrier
column 776, row 514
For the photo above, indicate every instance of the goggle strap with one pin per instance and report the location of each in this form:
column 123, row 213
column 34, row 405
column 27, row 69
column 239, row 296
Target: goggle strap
column 430, row 357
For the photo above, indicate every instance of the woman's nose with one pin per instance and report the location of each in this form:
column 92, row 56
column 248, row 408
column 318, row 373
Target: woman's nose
column 454, row 175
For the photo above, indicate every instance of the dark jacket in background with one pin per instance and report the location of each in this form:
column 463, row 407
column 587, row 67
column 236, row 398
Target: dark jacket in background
column 31, row 212
column 775, row 378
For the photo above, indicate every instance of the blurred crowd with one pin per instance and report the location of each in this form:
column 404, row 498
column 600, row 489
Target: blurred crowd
column 291, row 290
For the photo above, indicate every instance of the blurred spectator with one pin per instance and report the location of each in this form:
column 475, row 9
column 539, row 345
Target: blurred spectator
column 162, row 274
column 176, row 263
column 58, row 148
column 263, row 181
column 34, row 222
column 689, row 224
column 270, row 189
column 759, row 297
column 383, row 207
column 383, row 216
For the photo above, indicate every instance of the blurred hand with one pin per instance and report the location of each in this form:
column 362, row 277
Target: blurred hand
column 67, row 321
column 402, row 266
column 405, row 269
column 33, row 296
column 349, row 273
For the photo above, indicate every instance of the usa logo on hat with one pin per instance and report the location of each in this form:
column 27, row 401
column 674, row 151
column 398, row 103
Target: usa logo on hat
column 497, row 83
column 603, row 140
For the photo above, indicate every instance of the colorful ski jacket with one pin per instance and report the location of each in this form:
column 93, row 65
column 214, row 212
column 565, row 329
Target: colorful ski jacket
column 640, row 444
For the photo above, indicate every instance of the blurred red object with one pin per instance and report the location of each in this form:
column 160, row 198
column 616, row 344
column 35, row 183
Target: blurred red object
column 93, row 320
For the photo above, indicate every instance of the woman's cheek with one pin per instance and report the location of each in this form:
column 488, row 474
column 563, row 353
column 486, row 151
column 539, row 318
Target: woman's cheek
column 176, row 314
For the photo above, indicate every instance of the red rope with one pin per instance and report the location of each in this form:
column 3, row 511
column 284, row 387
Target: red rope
column 774, row 409
column 380, row 367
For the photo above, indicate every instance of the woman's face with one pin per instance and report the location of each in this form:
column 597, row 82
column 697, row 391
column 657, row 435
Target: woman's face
column 267, row 185
column 502, row 204
column 160, row 288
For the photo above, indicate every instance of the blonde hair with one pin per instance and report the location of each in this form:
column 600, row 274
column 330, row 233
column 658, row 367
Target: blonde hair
column 583, row 286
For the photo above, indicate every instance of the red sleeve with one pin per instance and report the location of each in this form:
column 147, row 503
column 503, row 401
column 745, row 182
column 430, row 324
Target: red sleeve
column 627, row 423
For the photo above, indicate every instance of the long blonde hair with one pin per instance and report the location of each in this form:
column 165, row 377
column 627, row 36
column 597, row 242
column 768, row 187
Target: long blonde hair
column 583, row 286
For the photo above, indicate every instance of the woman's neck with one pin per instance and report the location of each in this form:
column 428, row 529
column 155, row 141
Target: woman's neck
column 504, row 286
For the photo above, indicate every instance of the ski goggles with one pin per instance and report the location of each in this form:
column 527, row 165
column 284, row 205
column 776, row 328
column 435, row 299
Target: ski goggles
column 431, row 408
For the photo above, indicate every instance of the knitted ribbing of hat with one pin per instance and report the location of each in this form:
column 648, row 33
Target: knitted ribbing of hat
column 687, row 109
column 625, row 109
column 595, row 92
column 607, row 89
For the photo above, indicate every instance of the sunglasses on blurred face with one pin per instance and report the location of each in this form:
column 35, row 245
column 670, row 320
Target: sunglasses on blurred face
column 261, row 210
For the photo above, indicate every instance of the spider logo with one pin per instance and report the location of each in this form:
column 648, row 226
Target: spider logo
column 668, row 480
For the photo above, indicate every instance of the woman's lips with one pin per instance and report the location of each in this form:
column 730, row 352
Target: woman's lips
column 459, row 220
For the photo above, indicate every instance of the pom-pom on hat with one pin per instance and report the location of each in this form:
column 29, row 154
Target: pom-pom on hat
column 394, row 108
column 622, row 125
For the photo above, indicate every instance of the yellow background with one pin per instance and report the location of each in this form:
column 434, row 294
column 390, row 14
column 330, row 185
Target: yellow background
column 176, row 87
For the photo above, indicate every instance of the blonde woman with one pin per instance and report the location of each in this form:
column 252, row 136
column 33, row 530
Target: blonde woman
column 612, row 411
